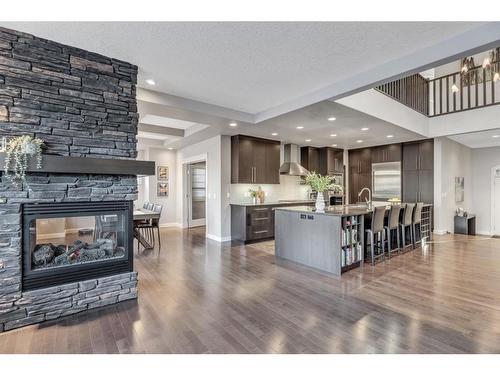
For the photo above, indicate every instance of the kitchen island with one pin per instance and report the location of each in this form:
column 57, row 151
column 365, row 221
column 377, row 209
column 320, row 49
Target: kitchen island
column 330, row 241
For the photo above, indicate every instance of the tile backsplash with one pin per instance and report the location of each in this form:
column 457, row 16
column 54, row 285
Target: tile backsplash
column 289, row 188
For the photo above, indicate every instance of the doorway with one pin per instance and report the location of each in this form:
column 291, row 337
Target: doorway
column 496, row 202
column 196, row 194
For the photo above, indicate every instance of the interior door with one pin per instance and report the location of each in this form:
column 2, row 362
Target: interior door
column 197, row 191
column 496, row 207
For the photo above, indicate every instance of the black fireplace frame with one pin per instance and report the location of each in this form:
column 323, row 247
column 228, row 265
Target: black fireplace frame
column 43, row 278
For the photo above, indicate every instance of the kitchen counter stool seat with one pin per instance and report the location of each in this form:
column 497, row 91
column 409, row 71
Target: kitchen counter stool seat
column 393, row 225
column 417, row 220
column 407, row 223
column 377, row 231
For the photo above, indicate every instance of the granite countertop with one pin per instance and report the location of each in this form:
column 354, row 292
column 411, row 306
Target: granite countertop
column 347, row 210
column 274, row 203
column 340, row 210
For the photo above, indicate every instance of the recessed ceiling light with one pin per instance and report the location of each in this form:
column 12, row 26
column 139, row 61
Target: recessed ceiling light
column 170, row 148
column 233, row 124
column 495, row 136
column 389, row 136
column 274, row 133
column 365, row 129
column 333, row 135
column 332, row 118
column 300, row 127
column 150, row 82
column 308, row 140
column 359, row 141
column 334, row 145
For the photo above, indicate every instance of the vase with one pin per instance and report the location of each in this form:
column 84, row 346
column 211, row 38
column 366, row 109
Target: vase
column 254, row 200
column 320, row 202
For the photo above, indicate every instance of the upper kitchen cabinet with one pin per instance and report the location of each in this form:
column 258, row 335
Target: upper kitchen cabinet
column 360, row 160
column 254, row 160
column 309, row 159
column 388, row 153
column 418, row 171
column 418, row 155
column 331, row 161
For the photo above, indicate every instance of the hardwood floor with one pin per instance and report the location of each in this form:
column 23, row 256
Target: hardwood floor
column 198, row 296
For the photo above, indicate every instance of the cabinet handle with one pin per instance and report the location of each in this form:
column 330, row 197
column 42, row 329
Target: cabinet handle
column 261, row 218
column 260, row 231
column 260, row 209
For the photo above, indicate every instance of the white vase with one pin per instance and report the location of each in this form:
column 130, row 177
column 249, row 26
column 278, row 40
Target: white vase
column 254, row 200
column 320, row 202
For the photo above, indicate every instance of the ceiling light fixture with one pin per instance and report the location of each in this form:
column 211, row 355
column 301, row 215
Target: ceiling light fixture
column 233, row 124
column 496, row 77
column 365, row 129
column 333, row 135
column 170, row 148
column 300, row 127
column 274, row 134
column 359, row 141
column 495, row 136
column 334, row 145
column 389, row 136
column 308, row 140
column 332, row 118
column 150, row 82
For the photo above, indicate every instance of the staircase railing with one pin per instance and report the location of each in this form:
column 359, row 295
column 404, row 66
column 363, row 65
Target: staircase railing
column 451, row 93
column 458, row 92
column 412, row 91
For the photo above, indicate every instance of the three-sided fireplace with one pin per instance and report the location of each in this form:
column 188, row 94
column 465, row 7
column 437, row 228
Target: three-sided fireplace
column 75, row 241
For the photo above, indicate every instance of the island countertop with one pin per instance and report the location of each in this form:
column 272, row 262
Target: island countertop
column 339, row 210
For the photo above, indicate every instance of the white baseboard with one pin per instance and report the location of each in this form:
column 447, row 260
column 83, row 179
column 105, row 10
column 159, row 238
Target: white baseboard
column 170, row 225
column 484, row 233
column 217, row 238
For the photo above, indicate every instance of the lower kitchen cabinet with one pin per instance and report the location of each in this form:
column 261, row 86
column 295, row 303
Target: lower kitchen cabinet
column 250, row 223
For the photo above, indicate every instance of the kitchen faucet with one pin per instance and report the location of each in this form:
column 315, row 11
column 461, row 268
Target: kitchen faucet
column 369, row 199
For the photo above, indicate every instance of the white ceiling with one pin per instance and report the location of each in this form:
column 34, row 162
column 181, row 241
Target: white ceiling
column 478, row 139
column 314, row 118
column 248, row 66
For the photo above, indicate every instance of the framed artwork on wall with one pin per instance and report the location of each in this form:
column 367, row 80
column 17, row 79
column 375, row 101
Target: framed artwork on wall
column 162, row 189
column 459, row 189
column 162, row 173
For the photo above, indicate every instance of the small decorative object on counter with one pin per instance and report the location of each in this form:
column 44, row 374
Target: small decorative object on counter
column 261, row 195
column 321, row 184
column 394, row 201
column 19, row 150
column 253, row 195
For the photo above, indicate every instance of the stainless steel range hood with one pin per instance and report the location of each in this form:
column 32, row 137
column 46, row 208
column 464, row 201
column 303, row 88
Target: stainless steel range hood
column 291, row 167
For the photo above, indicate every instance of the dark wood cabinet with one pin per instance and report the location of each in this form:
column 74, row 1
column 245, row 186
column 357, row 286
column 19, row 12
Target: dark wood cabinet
column 254, row 160
column 418, row 171
column 360, row 173
column 309, row 159
column 385, row 154
column 331, row 161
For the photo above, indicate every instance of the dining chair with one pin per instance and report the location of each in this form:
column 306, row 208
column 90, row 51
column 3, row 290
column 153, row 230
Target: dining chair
column 393, row 225
column 377, row 231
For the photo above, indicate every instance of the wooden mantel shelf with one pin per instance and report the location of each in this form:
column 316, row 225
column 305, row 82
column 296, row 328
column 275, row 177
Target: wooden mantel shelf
column 79, row 165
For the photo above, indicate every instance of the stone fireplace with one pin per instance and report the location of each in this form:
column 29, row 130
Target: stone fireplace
column 66, row 235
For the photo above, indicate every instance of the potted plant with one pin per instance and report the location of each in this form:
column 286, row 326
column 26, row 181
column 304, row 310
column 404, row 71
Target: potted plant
column 320, row 184
column 19, row 151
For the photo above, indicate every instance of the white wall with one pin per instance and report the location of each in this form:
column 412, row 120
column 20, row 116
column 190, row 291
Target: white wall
column 211, row 151
column 483, row 160
column 451, row 159
column 154, row 151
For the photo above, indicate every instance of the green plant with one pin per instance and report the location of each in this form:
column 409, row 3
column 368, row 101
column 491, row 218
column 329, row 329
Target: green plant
column 253, row 193
column 18, row 153
column 321, row 183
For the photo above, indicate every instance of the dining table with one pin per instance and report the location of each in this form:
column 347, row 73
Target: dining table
column 141, row 215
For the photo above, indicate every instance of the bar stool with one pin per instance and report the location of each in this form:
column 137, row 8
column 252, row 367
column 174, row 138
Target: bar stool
column 417, row 219
column 393, row 224
column 377, row 228
column 407, row 222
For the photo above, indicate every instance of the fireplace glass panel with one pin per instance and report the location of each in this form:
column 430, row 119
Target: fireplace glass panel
column 66, row 241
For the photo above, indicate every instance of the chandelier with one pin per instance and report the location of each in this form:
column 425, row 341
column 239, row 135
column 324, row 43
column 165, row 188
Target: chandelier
column 490, row 65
